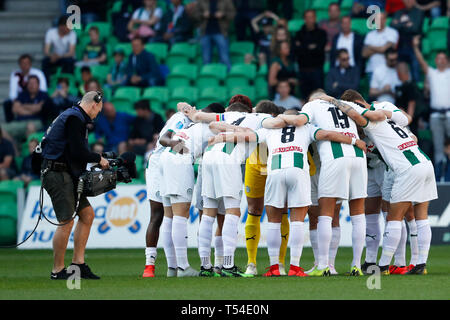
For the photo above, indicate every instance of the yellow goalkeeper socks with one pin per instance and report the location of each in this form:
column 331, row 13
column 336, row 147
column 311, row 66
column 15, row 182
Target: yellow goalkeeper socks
column 284, row 237
column 252, row 234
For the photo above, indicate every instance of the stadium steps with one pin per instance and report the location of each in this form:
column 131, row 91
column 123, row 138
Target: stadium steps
column 23, row 25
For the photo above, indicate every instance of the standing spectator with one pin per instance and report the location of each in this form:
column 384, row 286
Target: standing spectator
column 349, row 40
column 145, row 21
column 343, row 76
column 331, row 25
column 264, row 35
column 113, row 126
column 26, row 171
column 287, row 7
column 282, row 68
column 30, row 106
column 246, row 11
column 283, row 97
column 310, row 43
column 61, row 97
column 376, row 43
column 146, row 125
column 408, row 23
column 215, row 17
column 59, row 49
column 7, row 164
column 359, row 9
column 392, row 6
column 95, row 51
column 443, row 169
column 176, row 25
column 439, row 80
column 117, row 74
column 86, row 76
column 408, row 96
column 121, row 18
column 430, row 7
column 280, row 34
column 142, row 68
column 385, row 79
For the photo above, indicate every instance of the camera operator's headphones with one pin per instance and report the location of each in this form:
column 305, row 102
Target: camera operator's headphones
column 99, row 97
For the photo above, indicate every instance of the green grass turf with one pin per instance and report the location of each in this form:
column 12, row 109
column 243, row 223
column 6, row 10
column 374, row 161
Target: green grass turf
column 24, row 274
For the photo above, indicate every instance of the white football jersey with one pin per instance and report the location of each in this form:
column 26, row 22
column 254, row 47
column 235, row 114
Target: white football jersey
column 374, row 158
column 328, row 117
column 195, row 138
column 175, row 123
column 241, row 151
column 288, row 147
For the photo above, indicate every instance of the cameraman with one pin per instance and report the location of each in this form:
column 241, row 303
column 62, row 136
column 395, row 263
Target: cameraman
column 66, row 154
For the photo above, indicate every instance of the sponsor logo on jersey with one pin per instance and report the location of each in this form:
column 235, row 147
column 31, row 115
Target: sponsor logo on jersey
column 406, row 145
column 287, row 149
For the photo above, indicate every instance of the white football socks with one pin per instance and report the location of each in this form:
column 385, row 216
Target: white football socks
column 167, row 243
column 180, row 239
column 204, row 240
column 314, row 244
column 423, row 239
column 296, row 239
column 373, row 237
column 150, row 256
column 413, row 241
column 334, row 244
column 229, row 238
column 218, row 252
column 273, row 241
column 358, row 237
column 391, row 238
column 323, row 240
column 400, row 253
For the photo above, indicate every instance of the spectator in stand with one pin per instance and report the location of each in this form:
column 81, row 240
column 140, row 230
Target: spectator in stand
column 408, row 23
column 282, row 68
column 214, row 17
column 94, row 85
column 176, row 25
column 26, row 171
column 61, row 97
column 95, row 51
column 264, row 35
column 280, row 34
column 246, row 11
column 283, row 97
column 385, row 79
column 145, row 21
column 443, row 170
column 332, row 25
column 287, row 7
column 343, row 76
column 18, row 82
column 146, row 125
column 112, row 127
column 86, row 76
column 142, row 68
column 359, row 9
column 439, row 81
column 431, row 8
column 347, row 39
column 7, row 164
column 309, row 50
column 376, row 43
column 32, row 105
column 59, row 49
column 117, row 75
column 392, row 6
column 408, row 96
column 121, row 18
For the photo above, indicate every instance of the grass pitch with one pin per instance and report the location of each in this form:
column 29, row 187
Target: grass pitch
column 24, row 274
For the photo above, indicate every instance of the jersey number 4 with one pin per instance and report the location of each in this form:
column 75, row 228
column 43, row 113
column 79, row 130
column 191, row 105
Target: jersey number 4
column 340, row 119
column 287, row 134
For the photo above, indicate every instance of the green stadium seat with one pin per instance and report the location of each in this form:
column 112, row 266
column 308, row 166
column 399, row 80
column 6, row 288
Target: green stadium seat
column 104, row 28
column 82, row 42
column 322, row 14
column 242, row 47
column 346, row 7
column 188, row 71
column 174, row 81
column 8, row 229
column 425, row 25
column 160, row 94
column 8, row 197
column 295, row 25
column 100, row 72
column 261, row 89
column 123, row 105
column 187, row 94
column 125, row 46
column 107, row 93
column 206, row 81
column 158, row 49
column 321, row 4
column 218, row 94
column 140, row 167
column 133, row 94
column 217, row 70
column 248, row 91
column 243, row 69
column 173, row 60
column 183, row 49
column 360, row 25
column 439, row 44
column 440, row 23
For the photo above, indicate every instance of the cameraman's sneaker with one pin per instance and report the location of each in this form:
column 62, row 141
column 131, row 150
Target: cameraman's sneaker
column 61, row 275
column 86, row 272
column 171, row 272
column 188, row 272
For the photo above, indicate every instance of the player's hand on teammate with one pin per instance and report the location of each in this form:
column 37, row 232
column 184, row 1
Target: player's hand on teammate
column 179, row 147
column 184, row 107
column 361, row 144
column 215, row 139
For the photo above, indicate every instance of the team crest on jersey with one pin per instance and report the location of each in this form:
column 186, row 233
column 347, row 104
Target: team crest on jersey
column 179, row 125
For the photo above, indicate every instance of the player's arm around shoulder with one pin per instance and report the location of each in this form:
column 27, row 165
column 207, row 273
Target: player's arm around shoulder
column 217, row 127
column 334, row 136
column 234, row 137
column 292, row 120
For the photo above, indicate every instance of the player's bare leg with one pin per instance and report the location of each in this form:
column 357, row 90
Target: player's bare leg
column 373, row 231
column 358, row 219
column 151, row 237
column 423, row 237
column 335, row 239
